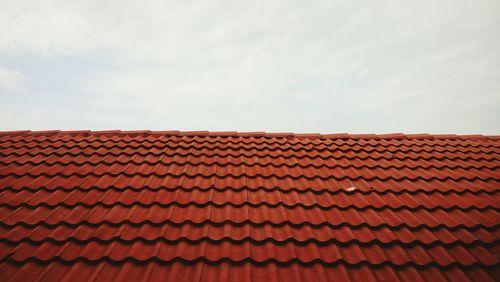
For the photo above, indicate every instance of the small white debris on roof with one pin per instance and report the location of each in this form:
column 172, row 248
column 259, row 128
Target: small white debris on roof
column 350, row 189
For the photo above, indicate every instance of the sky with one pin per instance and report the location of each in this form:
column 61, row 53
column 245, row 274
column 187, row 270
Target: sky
column 427, row 66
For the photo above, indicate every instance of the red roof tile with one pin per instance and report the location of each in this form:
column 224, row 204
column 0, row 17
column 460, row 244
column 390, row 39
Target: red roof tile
column 256, row 206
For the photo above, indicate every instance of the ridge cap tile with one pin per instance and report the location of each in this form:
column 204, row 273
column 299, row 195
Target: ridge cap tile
column 194, row 133
column 419, row 136
column 135, row 132
column 166, row 132
column 368, row 136
column 392, row 136
column 279, row 134
column 75, row 132
column 45, row 132
column 15, row 132
column 223, row 133
column 308, row 135
column 473, row 136
column 336, row 136
column 445, row 136
column 105, row 132
column 364, row 136
column 252, row 134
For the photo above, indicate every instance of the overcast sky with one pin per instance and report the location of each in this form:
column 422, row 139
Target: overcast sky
column 301, row 66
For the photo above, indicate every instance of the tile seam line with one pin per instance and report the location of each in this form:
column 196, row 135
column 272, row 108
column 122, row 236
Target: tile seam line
column 208, row 229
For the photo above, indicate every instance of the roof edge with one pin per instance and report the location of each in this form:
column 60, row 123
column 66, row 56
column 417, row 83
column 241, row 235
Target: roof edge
column 250, row 134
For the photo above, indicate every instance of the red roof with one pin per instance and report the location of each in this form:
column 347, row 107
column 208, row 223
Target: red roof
column 191, row 206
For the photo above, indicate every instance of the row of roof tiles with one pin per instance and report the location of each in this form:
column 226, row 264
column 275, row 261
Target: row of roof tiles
column 246, row 272
column 242, row 143
column 487, row 218
column 291, row 156
column 252, row 134
column 165, row 197
column 151, row 141
column 402, row 236
column 247, row 171
column 229, row 160
column 172, row 233
column 186, row 182
column 386, row 153
column 210, row 251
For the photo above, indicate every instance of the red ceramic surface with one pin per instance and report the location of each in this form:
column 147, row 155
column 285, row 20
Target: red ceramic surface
column 229, row 206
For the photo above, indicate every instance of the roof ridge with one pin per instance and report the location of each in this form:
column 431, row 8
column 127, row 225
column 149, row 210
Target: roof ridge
column 254, row 134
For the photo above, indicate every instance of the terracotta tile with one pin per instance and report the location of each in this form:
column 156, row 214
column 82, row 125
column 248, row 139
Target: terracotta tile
column 226, row 272
column 184, row 206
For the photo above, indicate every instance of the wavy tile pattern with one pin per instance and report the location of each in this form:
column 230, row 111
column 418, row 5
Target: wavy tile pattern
column 229, row 206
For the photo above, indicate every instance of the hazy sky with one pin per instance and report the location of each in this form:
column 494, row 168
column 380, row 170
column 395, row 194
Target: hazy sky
column 302, row 66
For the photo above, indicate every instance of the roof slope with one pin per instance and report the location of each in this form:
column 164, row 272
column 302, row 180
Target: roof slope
column 191, row 206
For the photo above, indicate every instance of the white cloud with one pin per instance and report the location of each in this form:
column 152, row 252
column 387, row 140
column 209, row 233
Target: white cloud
column 11, row 80
column 280, row 65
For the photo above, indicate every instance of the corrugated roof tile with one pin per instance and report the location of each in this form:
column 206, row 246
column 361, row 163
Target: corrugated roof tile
column 205, row 206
